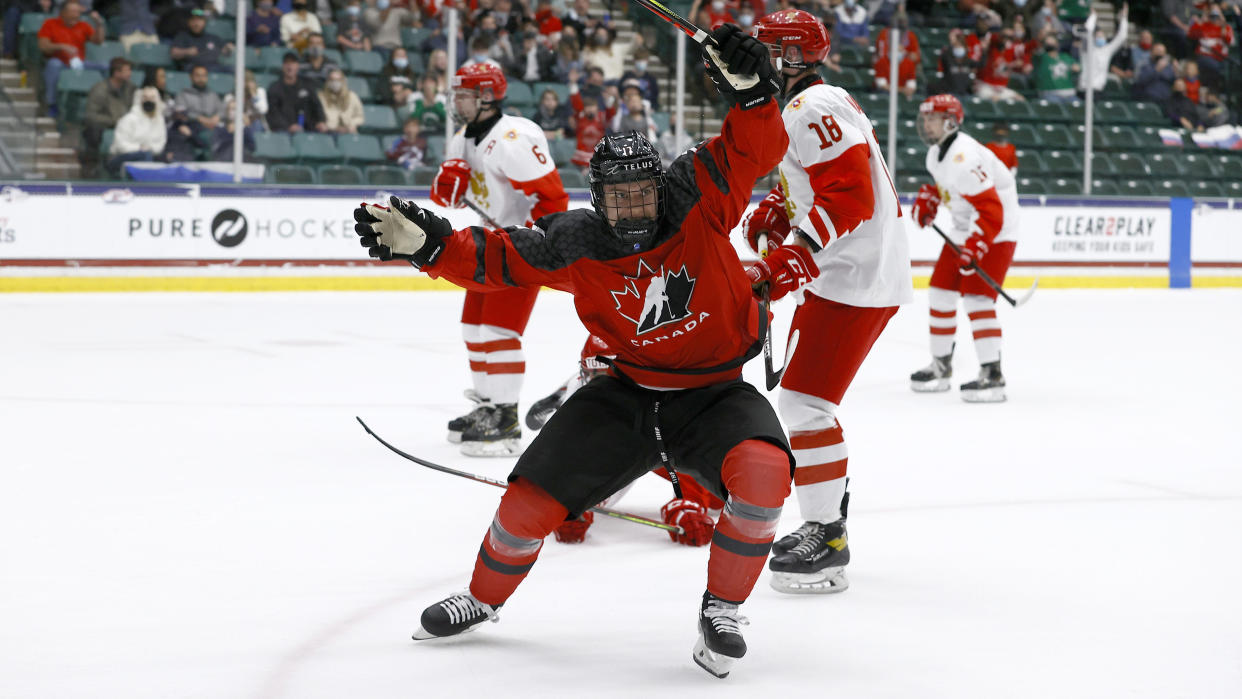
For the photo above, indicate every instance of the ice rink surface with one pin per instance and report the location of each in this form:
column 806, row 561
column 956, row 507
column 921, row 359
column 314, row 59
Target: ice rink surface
column 188, row 509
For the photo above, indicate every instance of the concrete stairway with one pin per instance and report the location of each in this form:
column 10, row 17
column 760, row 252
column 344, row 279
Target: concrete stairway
column 33, row 140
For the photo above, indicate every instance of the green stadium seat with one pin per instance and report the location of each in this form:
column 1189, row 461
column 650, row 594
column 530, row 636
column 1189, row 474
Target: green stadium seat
column 519, row 95
column 388, row 141
column 329, row 35
column 71, row 88
column 910, row 184
column 1110, row 112
column 340, row 174
column 562, row 150
column 1031, row 162
column 387, row 176
column 1102, row 165
column 423, row 176
column 334, row 56
column 1206, row 188
column 1024, row 136
column 412, row 38
column 980, row 110
column 1105, row 188
column 573, row 178
column 224, row 28
column 361, row 87
column 1014, row 111
column 378, row 119
column 1118, row 138
column 105, row 52
column 220, row 83
column 1136, row 188
column 1149, row 113
column 1048, row 112
column 981, row 130
column 1233, row 188
column 151, row 55
column 360, row 148
column 663, row 121
column 315, row 147
column 1056, row 136
column 32, row 22
column 364, row 62
column 1031, row 186
column 1129, row 166
column 273, row 147
column 175, row 81
column 1195, row 166
column 1163, row 165
column 289, row 174
column 435, row 147
column 853, row 79
column 562, row 91
column 1171, row 188
column 1076, row 112
column 911, row 160
column 270, row 59
column 1060, row 162
column 855, row 56
column 1061, row 186
column 1228, row 166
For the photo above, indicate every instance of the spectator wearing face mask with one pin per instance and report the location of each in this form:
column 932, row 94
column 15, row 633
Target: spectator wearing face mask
column 352, row 34
column 1212, row 36
column 315, row 66
column 342, row 109
column 590, row 121
column 602, row 53
column 907, row 68
column 385, row 21
column 481, row 51
column 717, row 13
column 1155, row 81
column 1001, row 146
column 1054, row 73
column 263, row 25
column 634, row 114
column 1102, row 53
column 398, row 66
column 1129, row 60
column 956, row 68
column 647, row 83
column 140, row 135
column 852, row 24
column 297, row 26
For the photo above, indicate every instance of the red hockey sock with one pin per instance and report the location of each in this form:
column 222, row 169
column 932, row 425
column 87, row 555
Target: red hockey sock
column 756, row 474
column 526, row 515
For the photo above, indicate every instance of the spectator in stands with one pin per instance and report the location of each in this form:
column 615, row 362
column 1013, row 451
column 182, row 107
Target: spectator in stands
column 263, row 25
column 1054, row 71
column 957, row 69
column 713, row 12
column 1046, row 22
column 907, row 69
column 398, row 65
column 509, row 16
column 437, row 67
column 63, row 40
column 158, row 78
column 254, row 112
column 137, row 24
column 1155, row 80
column 1190, row 76
column 547, row 20
column 195, row 47
column 568, row 58
column 200, row 115
column 1130, row 59
column 1212, row 112
column 428, row 105
column 601, row 53
column 315, row 66
column 590, row 122
column 13, row 12
column 851, row 27
column 108, row 101
column 439, row 42
column 402, row 90
column 578, row 19
column 342, row 109
column 634, row 115
column 297, row 25
column 1213, row 36
column 1179, row 16
column 480, row 50
column 352, row 34
column 293, row 105
column 647, row 82
column 386, row 22
column 140, row 134
column 1074, row 11
column 1102, row 52
column 1181, row 110
column 408, row 151
column 535, row 62
column 1001, row 146
column 552, row 116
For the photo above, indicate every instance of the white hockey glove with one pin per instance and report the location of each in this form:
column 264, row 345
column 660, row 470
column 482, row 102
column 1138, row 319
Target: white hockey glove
column 740, row 67
column 401, row 231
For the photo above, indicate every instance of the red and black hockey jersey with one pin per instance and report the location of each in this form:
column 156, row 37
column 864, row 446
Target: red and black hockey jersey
column 672, row 311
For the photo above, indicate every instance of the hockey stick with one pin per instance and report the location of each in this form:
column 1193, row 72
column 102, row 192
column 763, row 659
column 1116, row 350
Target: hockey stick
column 690, row 28
column 773, row 375
column 479, row 210
column 501, row 484
column 984, row 275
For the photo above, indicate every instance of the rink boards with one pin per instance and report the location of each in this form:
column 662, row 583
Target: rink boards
column 58, row 237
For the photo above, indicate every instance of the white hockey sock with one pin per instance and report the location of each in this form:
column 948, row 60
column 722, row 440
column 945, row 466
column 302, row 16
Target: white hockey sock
column 985, row 326
column 942, row 311
column 472, row 335
column 504, row 363
column 819, row 476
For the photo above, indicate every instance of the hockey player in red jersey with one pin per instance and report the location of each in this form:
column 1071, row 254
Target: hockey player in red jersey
column 502, row 163
column 980, row 193
column 835, row 217
column 654, row 275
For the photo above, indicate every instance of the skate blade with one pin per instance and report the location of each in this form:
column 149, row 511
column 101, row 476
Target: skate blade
column 421, row 634
column 501, row 447
column 987, row 395
column 454, row 437
column 936, row 386
column 825, row 582
column 714, row 663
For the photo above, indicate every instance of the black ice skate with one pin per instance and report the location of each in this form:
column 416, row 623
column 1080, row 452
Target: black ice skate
column 934, row 378
column 458, row 425
column 817, row 564
column 988, row 388
column 786, row 543
column 720, row 641
column 496, row 434
column 457, row 614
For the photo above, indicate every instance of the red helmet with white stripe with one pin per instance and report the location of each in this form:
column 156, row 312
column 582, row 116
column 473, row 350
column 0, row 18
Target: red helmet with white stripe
column 797, row 37
column 480, row 77
column 939, row 116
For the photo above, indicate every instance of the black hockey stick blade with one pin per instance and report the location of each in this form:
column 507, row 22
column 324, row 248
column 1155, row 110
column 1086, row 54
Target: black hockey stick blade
column 984, row 275
column 773, row 375
column 502, row 484
column 690, row 28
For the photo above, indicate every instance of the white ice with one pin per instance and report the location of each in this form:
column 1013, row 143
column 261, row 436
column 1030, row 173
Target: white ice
column 188, row 509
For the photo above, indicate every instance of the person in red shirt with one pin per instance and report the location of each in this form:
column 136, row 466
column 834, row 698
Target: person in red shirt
column 1214, row 35
column 590, row 120
column 63, row 40
column 654, row 275
column 1001, row 146
column 910, row 56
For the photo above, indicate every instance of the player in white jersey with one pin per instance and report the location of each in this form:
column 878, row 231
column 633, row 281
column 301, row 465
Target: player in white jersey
column 848, row 253
column 502, row 163
column 979, row 191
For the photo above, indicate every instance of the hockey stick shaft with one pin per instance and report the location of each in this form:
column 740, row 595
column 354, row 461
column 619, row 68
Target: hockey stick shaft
column 773, row 375
column 690, row 28
column 479, row 210
column 978, row 270
column 502, row 484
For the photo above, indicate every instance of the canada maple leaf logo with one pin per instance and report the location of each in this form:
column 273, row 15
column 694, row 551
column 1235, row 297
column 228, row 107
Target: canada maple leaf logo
column 650, row 300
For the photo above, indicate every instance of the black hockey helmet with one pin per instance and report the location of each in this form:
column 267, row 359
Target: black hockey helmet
column 623, row 159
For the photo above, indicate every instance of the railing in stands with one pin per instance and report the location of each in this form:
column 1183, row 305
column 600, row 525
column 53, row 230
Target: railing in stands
column 19, row 141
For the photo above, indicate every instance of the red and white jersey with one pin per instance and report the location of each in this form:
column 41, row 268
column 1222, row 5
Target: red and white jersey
column 839, row 193
column 976, row 188
column 512, row 176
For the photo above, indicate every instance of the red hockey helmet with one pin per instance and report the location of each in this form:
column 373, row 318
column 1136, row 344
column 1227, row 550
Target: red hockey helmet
column 797, row 37
column 480, row 77
column 951, row 116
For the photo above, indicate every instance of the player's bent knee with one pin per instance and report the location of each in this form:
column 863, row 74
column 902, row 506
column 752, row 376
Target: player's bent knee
column 528, row 511
column 758, row 472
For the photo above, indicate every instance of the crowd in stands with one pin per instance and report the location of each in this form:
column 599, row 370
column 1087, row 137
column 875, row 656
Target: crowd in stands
column 319, row 66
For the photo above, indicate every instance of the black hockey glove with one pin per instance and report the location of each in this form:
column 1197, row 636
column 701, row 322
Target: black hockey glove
column 401, row 231
column 741, row 67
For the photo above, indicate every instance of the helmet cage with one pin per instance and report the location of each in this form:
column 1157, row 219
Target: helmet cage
column 619, row 160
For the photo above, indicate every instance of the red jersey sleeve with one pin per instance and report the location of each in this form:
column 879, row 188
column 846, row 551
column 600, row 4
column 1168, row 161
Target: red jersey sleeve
column 490, row 259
